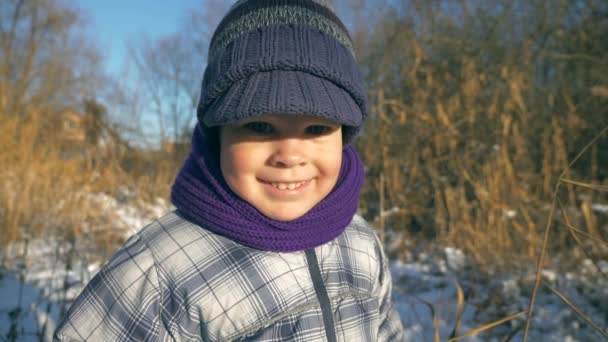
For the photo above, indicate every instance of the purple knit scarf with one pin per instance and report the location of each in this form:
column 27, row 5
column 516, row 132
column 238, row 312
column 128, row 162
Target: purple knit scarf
column 201, row 194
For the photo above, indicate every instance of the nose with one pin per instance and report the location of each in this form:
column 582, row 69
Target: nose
column 288, row 153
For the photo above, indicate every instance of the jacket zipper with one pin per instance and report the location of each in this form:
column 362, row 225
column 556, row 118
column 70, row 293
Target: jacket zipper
column 321, row 292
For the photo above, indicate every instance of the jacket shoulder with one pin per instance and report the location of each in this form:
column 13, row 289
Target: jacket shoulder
column 360, row 233
column 219, row 289
column 360, row 226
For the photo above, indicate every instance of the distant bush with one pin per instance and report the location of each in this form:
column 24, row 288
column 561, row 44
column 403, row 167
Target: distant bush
column 477, row 107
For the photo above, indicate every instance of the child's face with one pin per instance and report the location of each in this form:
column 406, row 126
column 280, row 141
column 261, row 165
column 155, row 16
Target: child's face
column 282, row 165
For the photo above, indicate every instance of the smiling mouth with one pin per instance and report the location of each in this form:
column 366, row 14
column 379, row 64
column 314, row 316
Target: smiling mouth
column 287, row 185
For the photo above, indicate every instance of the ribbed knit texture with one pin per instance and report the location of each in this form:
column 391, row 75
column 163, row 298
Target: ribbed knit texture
column 261, row 13
column 201, row 193
column 293, row 57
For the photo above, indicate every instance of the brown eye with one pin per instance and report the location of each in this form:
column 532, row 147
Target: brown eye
column 259, row 127
column 318, row 130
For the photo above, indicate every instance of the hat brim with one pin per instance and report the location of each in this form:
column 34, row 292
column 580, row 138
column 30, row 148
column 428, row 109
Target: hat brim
column 283, row 92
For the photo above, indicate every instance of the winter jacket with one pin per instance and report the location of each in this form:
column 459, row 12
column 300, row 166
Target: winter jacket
column 175, row 281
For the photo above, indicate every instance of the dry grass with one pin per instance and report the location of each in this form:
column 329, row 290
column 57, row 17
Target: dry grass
column 544, row 250
column 594, row 247
column 469, row 169
column 45, row 193
column 471, row 148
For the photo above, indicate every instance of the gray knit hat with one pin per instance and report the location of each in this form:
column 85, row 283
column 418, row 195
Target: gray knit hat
column 282, row 56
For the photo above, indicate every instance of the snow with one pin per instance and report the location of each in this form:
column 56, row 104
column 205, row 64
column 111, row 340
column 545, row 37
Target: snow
column 602, row 208
column 423, row 282
column 455, row 258
column 25, row 310
column 510, row 213
column 131, row 216
column 36, row 289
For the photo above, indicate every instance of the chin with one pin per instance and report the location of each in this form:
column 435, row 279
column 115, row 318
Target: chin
column 285, row 215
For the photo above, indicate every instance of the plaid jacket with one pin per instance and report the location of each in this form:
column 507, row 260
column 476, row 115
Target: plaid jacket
column 175, row 281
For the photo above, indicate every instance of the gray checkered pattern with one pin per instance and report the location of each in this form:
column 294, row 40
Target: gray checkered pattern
column 175, row 281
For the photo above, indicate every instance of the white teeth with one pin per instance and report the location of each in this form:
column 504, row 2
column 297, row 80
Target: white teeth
column 290, row 186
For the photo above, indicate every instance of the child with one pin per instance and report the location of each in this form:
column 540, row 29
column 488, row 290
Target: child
column 264, row 244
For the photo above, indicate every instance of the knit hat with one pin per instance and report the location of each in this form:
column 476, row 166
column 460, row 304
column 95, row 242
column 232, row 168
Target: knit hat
column 290, row 57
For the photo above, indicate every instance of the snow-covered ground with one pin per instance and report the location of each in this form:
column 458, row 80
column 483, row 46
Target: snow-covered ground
column 427, row 280
column 37, row 288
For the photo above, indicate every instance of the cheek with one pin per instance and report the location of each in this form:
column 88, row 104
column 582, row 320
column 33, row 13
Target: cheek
column 231, row 163
column 330, row 165
column 235, row 163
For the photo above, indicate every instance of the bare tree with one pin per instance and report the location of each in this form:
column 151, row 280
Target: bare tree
column 45, row 60
column 168, row 75
column 170, row 69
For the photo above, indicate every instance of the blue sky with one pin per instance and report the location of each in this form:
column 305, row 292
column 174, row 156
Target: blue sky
column 114, row 22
